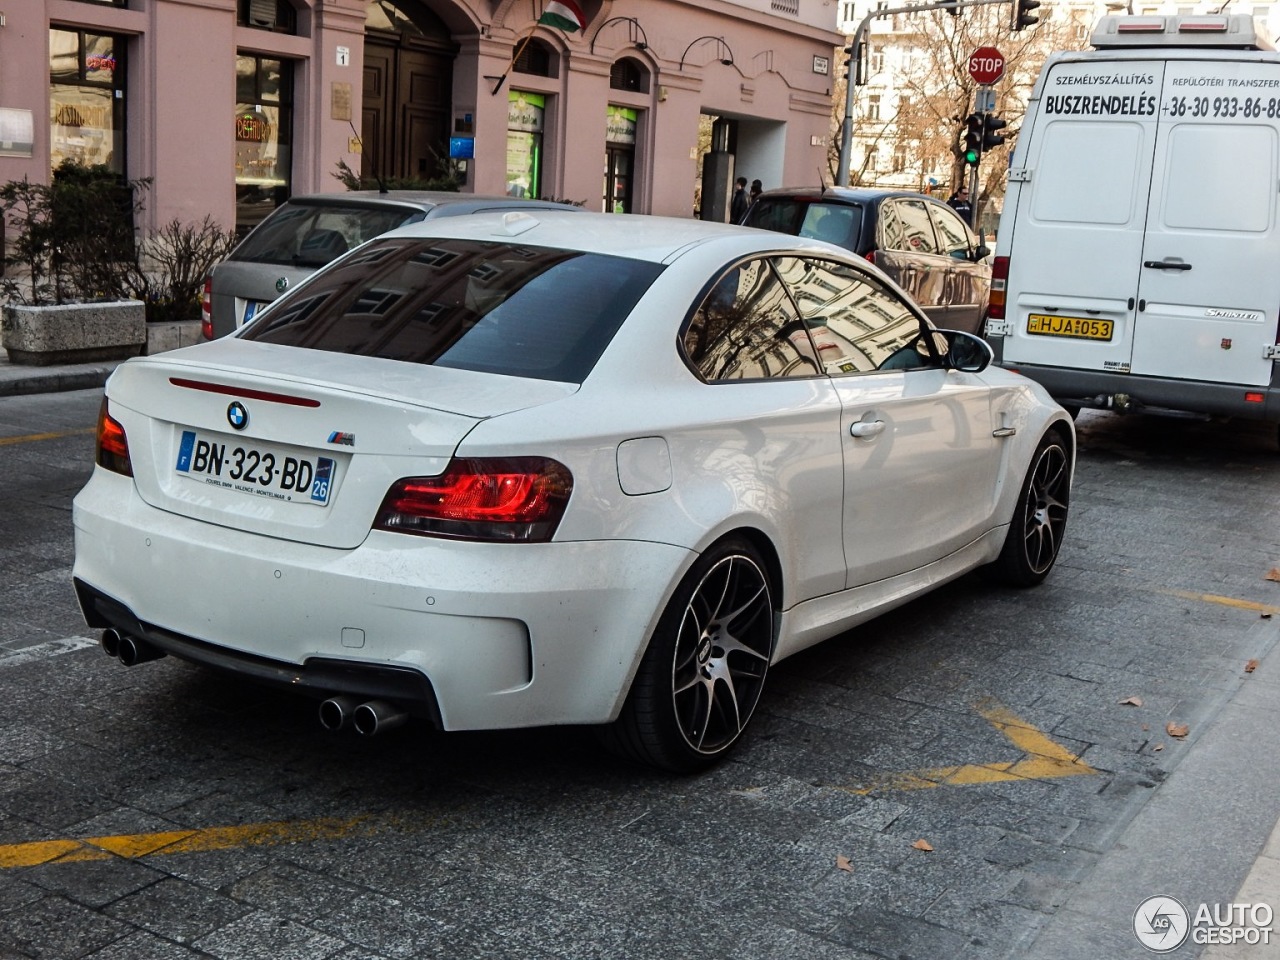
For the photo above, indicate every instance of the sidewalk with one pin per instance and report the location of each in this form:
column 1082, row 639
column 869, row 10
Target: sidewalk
column 18, row 379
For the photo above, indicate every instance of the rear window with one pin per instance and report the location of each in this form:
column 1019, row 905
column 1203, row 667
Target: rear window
column 839, row 223
column 531, row 312
column 301, row 235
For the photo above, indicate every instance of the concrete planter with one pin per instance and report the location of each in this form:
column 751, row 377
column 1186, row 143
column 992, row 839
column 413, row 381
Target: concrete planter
column 162, row 337
column 73, row 332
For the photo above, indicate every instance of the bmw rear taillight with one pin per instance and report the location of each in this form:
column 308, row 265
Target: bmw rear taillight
column 113, row 445
column 511, row 499
column 999, row 285
column 206, row 309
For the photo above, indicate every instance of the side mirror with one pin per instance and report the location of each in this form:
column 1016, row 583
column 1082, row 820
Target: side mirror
column 966, row 352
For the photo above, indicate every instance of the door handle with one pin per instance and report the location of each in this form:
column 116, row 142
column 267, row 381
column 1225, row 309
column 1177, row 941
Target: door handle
column 866, row 428
column 1166, row 265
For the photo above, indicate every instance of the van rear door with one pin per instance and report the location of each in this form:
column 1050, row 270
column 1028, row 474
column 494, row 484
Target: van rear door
column 1081, row 210
column 1209, row 283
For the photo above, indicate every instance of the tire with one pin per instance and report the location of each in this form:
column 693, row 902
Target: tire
column 1039, row 519
column 705, row 667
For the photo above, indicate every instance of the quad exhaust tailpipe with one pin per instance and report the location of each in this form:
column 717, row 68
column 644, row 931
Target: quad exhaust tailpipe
column 128, row 649
column 369, row 718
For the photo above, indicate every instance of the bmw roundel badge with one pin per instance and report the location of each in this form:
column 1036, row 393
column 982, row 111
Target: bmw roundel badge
column 237, row 415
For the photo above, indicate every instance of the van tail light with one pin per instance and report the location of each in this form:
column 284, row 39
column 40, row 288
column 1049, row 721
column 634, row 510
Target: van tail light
column 206, row 309
column 511, row 499
column 999, row 285
column 113, row 446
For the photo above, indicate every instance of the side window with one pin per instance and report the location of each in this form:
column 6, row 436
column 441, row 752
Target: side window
column 747, row 329
column 917, row 227
column 952, row 232
column 858, row 326
column 890, row 228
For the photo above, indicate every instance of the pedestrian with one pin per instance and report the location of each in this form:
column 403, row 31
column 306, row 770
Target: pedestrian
column 738, row 206
column 756, row 189
column 959, row 202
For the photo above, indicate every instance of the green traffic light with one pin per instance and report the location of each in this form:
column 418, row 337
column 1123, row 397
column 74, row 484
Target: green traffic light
column 971, row 156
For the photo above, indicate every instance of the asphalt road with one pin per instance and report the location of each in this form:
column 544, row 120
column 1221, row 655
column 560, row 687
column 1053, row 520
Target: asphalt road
column 944, row 782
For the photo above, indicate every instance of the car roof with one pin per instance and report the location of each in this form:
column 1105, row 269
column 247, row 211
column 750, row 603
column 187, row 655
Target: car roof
column 636, row 236
column 425, row 200
column 844, row 194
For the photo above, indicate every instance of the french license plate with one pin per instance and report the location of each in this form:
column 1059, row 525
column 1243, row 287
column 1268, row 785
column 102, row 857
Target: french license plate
column 1079, row 328
column 264, row 470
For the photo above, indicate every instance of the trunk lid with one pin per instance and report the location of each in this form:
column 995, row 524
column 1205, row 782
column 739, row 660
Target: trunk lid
column 297, row 444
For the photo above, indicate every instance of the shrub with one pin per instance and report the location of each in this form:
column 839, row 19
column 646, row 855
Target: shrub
column 168, row 275
column 74, row 235
column 75, row 242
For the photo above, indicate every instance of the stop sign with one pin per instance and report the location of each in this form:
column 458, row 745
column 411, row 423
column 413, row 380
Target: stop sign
column 986, row 65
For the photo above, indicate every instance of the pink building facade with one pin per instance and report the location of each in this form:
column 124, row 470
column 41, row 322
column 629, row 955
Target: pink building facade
column 230, row 106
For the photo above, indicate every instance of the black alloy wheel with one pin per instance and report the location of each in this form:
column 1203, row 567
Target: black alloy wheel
column 705, row 667
column 1040, row 517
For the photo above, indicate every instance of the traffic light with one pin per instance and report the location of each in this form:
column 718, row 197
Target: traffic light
column 973, row 135
column 1022, row 15
column 990, row 124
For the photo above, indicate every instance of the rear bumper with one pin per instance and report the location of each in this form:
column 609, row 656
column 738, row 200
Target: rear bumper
column 494, row 635
column 316, row 676
column 1099, row 389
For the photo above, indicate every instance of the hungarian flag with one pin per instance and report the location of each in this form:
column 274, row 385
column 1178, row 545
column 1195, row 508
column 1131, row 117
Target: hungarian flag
column 565, row 14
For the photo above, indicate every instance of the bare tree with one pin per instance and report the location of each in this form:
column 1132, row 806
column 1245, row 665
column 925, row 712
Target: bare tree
column 920, row 72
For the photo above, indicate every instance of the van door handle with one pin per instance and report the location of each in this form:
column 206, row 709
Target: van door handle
column 1166, row 265
column 866, row 428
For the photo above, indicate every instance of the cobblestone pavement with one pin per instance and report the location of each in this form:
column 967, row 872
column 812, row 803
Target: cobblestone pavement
column 166, row 812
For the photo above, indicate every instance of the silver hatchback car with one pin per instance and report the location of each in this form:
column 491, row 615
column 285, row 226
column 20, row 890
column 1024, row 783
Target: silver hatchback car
column 305, row 233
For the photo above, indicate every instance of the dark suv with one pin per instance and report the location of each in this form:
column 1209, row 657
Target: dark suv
column 923, row 245
column 305, row 233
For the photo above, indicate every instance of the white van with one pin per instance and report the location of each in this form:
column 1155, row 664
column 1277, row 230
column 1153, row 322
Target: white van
column 1138, row 259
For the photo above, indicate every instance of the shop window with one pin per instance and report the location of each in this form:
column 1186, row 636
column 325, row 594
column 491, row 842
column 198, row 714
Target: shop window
column 629, row 74
column 264, row 137
column 275, row 15
column 537, row 59
column 526, row 114
column 86, row 98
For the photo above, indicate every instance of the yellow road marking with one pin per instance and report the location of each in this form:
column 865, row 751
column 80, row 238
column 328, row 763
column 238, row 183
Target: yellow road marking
column 1224, row 601
column 33, row 437
column 132, row 846
column 1045, row 759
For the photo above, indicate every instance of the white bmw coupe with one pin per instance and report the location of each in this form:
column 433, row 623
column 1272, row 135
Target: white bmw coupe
column 532, row 469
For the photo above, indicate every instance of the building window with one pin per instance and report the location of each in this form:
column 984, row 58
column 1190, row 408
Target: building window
column 876, row 59
column 873, row 107
column 275, row 15
column 264, row 137
column 537, row 60
column 86, row 98
column 629, row 74
column 525, row 116
column 899, row 159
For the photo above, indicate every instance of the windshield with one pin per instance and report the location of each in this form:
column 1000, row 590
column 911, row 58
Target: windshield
column 533, row 312
column 303, row 235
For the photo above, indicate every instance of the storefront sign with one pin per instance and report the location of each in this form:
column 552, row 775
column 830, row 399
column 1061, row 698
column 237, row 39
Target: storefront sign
column 620, row 127
column 252, row 128
column 17, row 132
